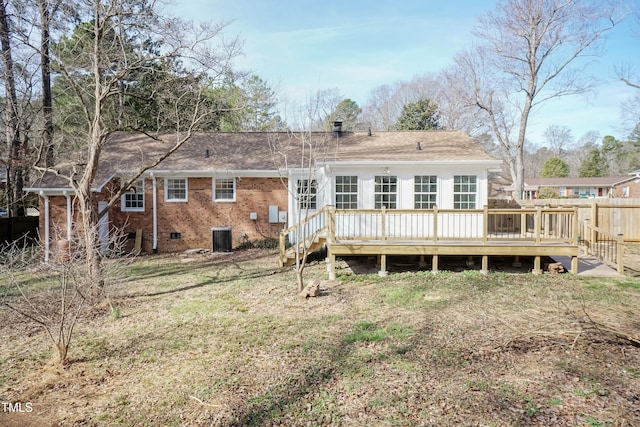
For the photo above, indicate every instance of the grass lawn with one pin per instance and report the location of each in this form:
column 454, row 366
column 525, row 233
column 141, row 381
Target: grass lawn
column 224, row 340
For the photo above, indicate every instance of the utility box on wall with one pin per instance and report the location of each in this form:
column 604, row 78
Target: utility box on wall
column 282, row 217
column 273, row 214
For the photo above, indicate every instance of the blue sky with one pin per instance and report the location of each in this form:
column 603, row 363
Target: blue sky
column 300, row 46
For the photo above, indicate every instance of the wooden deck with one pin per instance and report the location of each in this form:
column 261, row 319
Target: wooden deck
column 537, row 233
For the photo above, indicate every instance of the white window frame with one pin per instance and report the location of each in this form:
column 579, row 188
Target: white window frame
column 307, row 194
column 467, row 189
column 418, row 190
column 175, row 199
column 216, row 197
column 340, row 187
column 128, row 196
column 383, row 190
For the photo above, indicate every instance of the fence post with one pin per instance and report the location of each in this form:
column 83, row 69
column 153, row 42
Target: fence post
column 620, row 253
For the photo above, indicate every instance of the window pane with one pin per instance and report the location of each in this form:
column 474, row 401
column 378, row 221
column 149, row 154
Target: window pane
column 177, row 189
column 307, row 193
column 224, row 189
column 464, row 191
column 425, row 191
column 346, row 192
column 385, row 192
column 134, row 199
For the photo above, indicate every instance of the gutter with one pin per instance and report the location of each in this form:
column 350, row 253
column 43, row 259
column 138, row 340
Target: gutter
column 155, row 214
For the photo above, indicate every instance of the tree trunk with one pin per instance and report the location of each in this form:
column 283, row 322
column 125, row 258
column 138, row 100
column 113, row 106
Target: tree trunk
column 522, row 134
column 45, row 68
column 14, row 167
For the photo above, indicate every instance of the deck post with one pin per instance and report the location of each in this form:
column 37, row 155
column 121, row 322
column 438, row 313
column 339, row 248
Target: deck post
column 537, row 225
column 435, row 224
column 383, row 266
column 516, row 262
column 574, row 265
column 575, row 226
column 383, row 223
column 485, row 264
column 485, row 229
column 434, row 264
column 331, row 264
column 547, row 223
column 282, row 249
column 422, row 263
column 523, row 225
column 536, row 265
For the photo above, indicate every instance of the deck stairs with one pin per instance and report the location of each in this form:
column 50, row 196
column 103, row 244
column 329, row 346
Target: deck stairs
column 312, row 244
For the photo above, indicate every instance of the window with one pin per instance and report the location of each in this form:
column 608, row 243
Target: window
column 425, row 189
column 307, row 194
column 385, row 192
column 133, row 199
column 346, row 192
column 175, row 189
column 224, row 190
column 464, row 191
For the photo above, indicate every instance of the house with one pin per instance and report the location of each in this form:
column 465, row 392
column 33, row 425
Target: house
column 250, row 183
column 591, row 187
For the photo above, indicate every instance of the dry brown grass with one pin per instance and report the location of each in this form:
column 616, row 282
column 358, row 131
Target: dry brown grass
column 224, row 340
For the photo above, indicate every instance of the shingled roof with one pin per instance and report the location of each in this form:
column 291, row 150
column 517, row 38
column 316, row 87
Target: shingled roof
column 264, row 151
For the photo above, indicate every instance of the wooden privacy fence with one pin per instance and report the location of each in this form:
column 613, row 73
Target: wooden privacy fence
column 615, row 216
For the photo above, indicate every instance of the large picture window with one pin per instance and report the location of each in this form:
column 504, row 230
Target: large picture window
column 306, row 192
column 425, row 191
column 224, row 190
column 386, row 192
column 175, row 189
column 346, row 192
column 133, row 199
column 464, row 191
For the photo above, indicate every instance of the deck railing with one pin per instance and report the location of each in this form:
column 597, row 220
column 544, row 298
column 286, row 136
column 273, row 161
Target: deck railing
column 605, row 246
column 538, row 225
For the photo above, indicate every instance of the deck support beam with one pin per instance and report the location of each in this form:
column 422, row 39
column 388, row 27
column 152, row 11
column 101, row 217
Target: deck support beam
column 434, row 264
column 536, row 265
column 331, row 266
column 574, row 265
column 383, row 266
column 485, row 264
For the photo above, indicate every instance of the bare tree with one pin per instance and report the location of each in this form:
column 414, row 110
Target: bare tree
column 113, row 60
column 558, row 139
column 69, row 296
column 531, row 51
column 301, row 154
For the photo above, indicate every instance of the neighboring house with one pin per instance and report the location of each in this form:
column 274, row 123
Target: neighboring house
column 592, row 187
column 249, row 181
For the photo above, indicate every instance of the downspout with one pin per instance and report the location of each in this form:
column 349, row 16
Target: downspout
column 155, row 214
column 69, row 222
column 47, row 250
